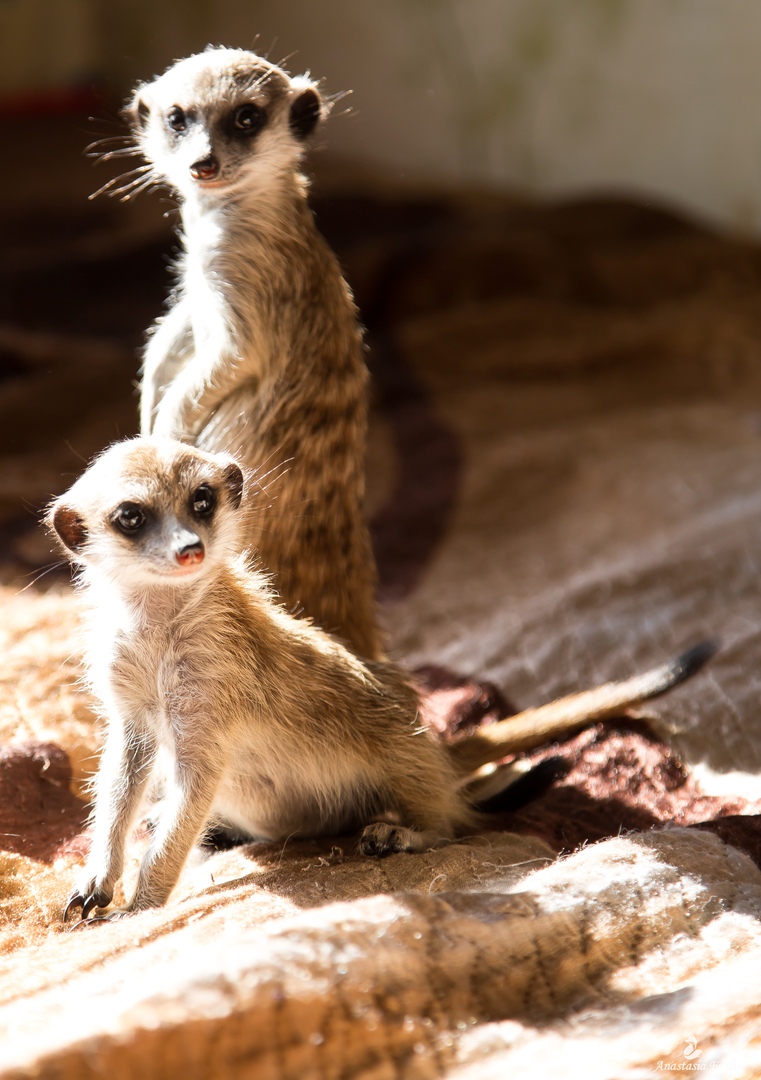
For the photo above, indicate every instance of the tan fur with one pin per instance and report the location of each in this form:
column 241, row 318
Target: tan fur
column 271, row 727
column 260, row 353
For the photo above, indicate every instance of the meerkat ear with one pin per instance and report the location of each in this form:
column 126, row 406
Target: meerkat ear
column 306, row 112
column 233, row 481
column 136, row 112
column 69, row 527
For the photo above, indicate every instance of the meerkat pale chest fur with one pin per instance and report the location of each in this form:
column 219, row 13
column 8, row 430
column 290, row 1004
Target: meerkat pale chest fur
column 260, row 353
column 271, row 727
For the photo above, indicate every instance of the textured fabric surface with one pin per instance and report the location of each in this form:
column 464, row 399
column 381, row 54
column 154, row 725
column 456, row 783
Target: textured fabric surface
column 564, row 487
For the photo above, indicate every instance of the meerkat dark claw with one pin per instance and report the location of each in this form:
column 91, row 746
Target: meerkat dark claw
column 98, row 920
column 90, row 903
column 368, row 846
column 75, row 901
column 95, row 920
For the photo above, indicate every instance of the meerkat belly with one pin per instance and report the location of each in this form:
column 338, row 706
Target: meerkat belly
column 271, row 796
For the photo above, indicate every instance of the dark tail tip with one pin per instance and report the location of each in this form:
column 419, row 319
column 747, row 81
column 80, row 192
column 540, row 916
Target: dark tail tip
column 687, row 664
column 526, row 788
column 691, row 661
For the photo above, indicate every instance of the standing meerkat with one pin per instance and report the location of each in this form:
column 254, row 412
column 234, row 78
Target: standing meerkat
column 260, row 353
column 270, row 727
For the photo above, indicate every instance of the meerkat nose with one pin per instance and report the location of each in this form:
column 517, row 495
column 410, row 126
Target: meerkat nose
column 205, row 169
column 189, row 554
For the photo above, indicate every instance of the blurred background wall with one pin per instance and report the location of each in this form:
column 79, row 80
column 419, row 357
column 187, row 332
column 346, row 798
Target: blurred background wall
column 659, row 97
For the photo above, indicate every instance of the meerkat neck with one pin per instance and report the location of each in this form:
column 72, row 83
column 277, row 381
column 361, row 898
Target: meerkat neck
column 245, row 246
column 133, row 605
column 269, row 218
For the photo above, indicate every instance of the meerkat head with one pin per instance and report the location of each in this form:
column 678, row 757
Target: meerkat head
column 151, row 511
column 223, row 121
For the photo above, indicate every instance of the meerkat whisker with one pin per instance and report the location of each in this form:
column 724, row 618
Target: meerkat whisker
column 37, row 575
column 138, row 188
column 109, row 189
column 109, row 155
column 284, row 61
column 124, row 149
column 276, row 472
column 124, row 140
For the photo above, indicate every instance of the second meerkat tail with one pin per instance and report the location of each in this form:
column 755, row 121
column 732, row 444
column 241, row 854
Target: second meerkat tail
column 532, row 727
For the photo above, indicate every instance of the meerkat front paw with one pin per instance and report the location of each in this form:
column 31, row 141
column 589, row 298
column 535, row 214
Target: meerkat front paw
column 91, row 894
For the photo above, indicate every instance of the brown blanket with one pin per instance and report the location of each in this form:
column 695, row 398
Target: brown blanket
column 564, row 482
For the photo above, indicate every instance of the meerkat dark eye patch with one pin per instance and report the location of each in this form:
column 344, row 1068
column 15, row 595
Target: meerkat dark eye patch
column 203, row 501
column 128, row 519
column 248, row 119
column 176, row 119
column 305, row 113
column 70, row 527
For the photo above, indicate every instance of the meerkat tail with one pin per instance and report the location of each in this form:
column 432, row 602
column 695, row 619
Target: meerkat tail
column 532, row 727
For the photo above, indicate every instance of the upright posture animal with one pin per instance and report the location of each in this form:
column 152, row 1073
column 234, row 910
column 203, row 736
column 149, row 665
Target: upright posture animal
column 270, row 726
column 260, row 353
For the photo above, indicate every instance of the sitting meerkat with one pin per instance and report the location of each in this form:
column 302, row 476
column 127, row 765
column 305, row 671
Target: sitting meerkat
column 271, row 727
column 260, row 353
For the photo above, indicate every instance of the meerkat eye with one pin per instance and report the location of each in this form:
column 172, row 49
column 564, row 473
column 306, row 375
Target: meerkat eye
column 176, row 119
column 249, row 118
column 129, row 518
column 202, row 501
